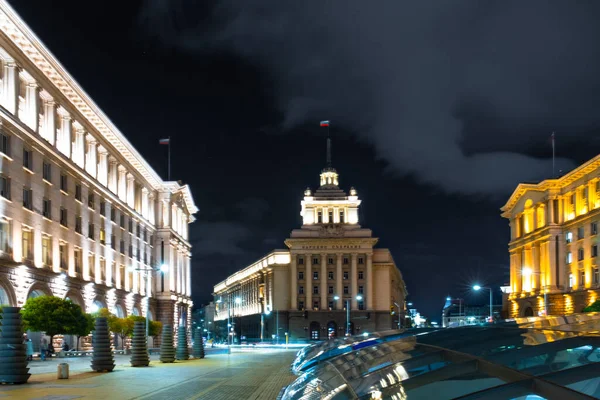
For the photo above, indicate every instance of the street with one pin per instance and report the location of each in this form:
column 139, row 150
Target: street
column 258, row 374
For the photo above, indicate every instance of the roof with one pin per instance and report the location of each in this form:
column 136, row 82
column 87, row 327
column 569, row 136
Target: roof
column 494, row 361
column 187, row 195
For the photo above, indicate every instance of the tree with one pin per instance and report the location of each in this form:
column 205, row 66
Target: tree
column 85, row 325
column 155, row 328
column 122, row 327
column 52, row 315
column 594, row 307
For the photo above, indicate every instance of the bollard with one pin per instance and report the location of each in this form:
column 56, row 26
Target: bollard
column 63, row 371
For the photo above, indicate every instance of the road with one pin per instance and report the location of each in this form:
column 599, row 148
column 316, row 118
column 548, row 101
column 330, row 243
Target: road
column 250, row 374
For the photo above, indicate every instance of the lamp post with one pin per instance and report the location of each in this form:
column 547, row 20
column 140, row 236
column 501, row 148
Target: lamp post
column 477, row 288
column 262, row 322
column 238, row 301
column 359, row 298
column 148, row 270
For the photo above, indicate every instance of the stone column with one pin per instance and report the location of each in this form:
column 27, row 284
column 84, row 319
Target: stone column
column 188, row 268
column 354, row 281
column 323, row 276
column 338, row 282
column 78, row 150
column 112, row 174
column 308, row 282
column 10, row 85
column 130, row 190
column 32, row 105
column 369, row 288
column 48, row 124
column 293, row 282
column 151, row 200
column 535, row 276
column 63, row 142
column 145, row 202
column 519, row 266
column 103, row 165
column 90, row 160
column 122, row 183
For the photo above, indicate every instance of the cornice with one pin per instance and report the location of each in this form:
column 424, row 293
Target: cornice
column 27, row 42
column 329, row 242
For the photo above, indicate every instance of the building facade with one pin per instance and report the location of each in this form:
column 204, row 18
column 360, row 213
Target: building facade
column 82, row 215
column 330, row 263
column 554, row 243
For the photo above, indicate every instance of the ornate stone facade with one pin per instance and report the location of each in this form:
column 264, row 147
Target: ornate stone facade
column 330, row 263
column 82, row 214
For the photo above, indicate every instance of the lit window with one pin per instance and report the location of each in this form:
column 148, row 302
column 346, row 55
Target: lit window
column 27, row 244
column 46, row 250
column 102, row 236
column 569, row 258
column 570, row 280
column 5, row 236
column 569, row 237
column 581, row 282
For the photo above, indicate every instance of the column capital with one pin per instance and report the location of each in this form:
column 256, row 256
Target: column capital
column 112, row 160
column 78, row 127
column 122, row 169
column 63, row 112
column 46, row 97
column 102, row 150
column 90, row 139
column 354, row 256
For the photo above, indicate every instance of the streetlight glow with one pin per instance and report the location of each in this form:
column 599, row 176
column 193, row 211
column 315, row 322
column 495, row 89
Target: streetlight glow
column 359, row 297
column 164, row 268
column 476, row 287
column 238, row 300
column 527, row 271
column 336, row 297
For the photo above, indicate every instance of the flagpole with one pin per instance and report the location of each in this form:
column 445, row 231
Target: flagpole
column 169, row 161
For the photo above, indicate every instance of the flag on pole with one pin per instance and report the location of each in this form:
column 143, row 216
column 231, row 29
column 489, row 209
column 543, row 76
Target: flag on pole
column 164, row 141
column 324, row 123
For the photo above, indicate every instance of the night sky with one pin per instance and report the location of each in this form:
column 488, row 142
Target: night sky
column 438, row 110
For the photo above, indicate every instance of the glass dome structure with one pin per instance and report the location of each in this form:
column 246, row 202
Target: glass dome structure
column 502, row 361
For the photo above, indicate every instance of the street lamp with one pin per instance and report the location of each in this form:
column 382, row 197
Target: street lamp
column 359, row 298
column 238, row 301
column 262, row 322
column 162, row 269
column 477, row 288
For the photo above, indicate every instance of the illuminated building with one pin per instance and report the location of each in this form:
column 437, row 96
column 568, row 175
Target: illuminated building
column 554, row 243
column 82, row 215
column 329, row 262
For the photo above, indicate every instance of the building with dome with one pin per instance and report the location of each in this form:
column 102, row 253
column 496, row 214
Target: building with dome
column 82, row 215
column 329, row 269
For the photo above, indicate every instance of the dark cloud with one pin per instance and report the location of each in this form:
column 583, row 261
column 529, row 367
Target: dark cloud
column 252, row 209
column 452, row 92
column 221, row 238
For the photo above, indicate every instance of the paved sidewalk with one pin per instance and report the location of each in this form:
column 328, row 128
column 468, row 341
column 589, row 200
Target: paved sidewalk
column 254, row 375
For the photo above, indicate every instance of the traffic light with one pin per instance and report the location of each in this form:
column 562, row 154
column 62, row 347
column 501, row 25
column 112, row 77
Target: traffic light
column 392, row 310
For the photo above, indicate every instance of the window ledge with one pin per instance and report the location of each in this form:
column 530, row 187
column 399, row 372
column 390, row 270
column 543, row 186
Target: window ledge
column 5, row 199
column 28, row 170
column 4, row 155
column 31, row 211
column 64, row 192
column 46, row 181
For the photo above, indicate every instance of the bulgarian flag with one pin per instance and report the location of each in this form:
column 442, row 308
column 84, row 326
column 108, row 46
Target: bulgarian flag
column 325, row 123
column 164, row 141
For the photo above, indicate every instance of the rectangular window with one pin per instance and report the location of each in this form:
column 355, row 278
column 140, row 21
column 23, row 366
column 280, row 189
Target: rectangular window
column 77, row 260
column 315, row 307
column 91, row 231
column 131, row 250
column 78, row 192
column 5, row 236
column 103, row 269
column 594, row 228
column 62, row 249
column 319, row 217
column 63, row 217
column 64, row 183
column 330, row 261
column 145, row 234
column 300, row 289
column 315, row 261
column 46, row 250
column 581, row 282
column 28, row 198
column 595, row 250
column 315, row 275
column 122, row 247
column 345, row 261
column 596, row 273
column 331, row 305
column 28, row 159
column 361, row 290
column 579, row 254
column 102, row 236
column 300, row 261
column 346, row 290
column 103, row 208
column 113, row 214
column 5, row 144
column 122, row 221
column 130, row 225
column 122, row 275
column 5, row 187
column 330, row 290
column 138, row 230
column 360, row 275
column 91, row 200
column 47, row 208
column 345, row 275
column 138, row 253
column 145, row 258
column 300, row 275
column 361, row 305
column 300, row 305
column 27, row 244
column 361, row 260
column 569, row 257
column 341, row 217
column 315, row 290
column 47, row 171
column 331, row 216
column 113, row 242
column 570, row 280
column 569, row 237
column 78, row 224
column 580, row 233
column 330, row 275
column 92, row 266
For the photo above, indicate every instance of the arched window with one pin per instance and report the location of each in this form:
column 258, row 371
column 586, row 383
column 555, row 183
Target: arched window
column 314, row 330
column 541, row 216
column 35, row 293
column 528, row 216
column 4, row 300
column 136, row 311
column 119, row 311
